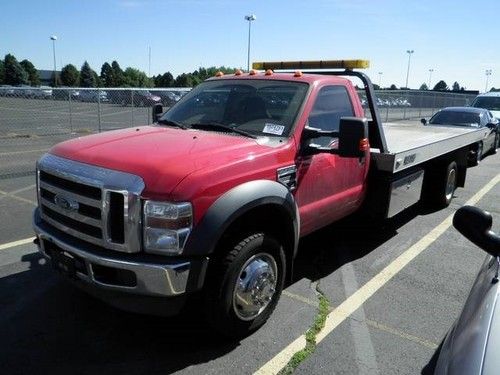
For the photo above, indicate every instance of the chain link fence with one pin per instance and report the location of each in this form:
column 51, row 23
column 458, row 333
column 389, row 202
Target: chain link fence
column 34, row 119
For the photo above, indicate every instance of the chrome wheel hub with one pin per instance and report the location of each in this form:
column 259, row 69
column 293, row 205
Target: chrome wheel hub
column 255, row 286
column 450, row 183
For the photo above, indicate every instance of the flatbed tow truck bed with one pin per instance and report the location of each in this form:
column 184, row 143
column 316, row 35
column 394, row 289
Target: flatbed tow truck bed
column 410, row 145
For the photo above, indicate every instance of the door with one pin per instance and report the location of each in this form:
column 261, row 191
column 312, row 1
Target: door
column 329, row 187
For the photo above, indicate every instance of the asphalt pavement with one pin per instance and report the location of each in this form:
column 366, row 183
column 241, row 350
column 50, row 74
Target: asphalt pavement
column 385, row 325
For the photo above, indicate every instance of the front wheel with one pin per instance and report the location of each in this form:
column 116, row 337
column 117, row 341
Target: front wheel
column 245, row 285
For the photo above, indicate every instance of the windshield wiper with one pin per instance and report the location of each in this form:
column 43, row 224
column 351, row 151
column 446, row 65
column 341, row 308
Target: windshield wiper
column 219, row 126
column 172, row 123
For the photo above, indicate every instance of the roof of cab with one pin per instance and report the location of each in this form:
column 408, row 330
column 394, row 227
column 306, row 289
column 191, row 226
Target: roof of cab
column 304, row 77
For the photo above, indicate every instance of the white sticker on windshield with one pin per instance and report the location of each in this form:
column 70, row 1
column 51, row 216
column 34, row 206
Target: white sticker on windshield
column 273, row 129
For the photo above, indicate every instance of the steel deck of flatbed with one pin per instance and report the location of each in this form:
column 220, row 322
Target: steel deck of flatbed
column 410, row 145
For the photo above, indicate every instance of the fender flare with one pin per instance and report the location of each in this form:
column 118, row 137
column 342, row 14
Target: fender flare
column 232, row 205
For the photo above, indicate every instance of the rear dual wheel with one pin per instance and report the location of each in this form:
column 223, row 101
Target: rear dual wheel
column 440, row 183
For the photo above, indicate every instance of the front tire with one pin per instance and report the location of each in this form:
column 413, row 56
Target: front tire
column 244, row 286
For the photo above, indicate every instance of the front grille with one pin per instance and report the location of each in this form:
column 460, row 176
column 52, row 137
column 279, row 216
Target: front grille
column 90, row 203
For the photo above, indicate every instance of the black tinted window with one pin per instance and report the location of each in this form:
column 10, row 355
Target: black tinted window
column 332, row 103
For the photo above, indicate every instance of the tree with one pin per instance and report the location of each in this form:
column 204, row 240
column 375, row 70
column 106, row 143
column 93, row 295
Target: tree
column 14, row 72
column 2, row 72
column 376, row 87
column 70, row 75
column 441, row 86
column 118, row 76
column 136, row 78
column 393, row 87
column 165, row 80
column 424, row 86
column 455, row 87
column 87, row 76
column 107, row 75
column 33, row 76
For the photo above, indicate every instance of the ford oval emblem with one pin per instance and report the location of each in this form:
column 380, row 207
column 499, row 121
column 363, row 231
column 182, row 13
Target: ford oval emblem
column 66, row 203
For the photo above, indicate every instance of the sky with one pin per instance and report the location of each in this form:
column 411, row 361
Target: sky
column 457, row 39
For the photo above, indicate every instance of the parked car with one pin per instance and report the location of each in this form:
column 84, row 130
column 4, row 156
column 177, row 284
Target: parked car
column 140, row 98
column 471, row 117
column 92, row 96
column 168, row 98
column 42, row 92
column 6, row 90
column 471, row 345
column 490, row 101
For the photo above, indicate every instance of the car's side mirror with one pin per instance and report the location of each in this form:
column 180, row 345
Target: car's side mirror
column 352, row 138
column 491, row 125
column 423, row 121
column 157, row 111
column 475, row 224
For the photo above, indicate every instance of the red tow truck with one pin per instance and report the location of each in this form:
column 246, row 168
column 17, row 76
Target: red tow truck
column 211, row 200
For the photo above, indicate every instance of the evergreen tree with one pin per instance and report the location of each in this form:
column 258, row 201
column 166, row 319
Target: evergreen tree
column 87, row 76
column 393, row 87
column 2, row 72
column 70, row 75
column 441, row 86
column 33, row 76
column 118, row 76
column 165, row 80
column 107, row 75
column 455, row 87
column 424, row 86
column 14, row 72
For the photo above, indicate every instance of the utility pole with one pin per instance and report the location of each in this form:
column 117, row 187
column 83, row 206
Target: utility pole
column 409, row 52
column 249, row 18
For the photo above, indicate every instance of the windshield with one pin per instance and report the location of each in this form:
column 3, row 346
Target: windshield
column 258, row 107
column 489, row 102
column 456, row 118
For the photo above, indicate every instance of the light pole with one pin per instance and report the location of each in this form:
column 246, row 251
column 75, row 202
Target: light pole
column 488, row 74
column 380, row 79
column 249, row 18
column 409, row 52
column 54, row 38
column 430, row 76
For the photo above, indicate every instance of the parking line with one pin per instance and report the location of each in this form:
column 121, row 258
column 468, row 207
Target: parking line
column 6, row 194
column 16, row 243
column 358, row 298
column 21, row 152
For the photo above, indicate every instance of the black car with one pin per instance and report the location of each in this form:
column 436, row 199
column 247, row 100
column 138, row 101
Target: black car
column 471, row 117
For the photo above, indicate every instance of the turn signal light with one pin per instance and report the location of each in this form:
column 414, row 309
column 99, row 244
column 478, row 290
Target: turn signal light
column 219, row 74
column 269, row 72
column 238, row 72
column 252, row 72
column 297, row 73
column 364, row 145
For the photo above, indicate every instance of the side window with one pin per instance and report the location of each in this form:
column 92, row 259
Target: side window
column 332, row 103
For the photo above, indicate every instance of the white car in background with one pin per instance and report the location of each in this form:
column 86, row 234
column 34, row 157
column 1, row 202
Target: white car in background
column 490, row 101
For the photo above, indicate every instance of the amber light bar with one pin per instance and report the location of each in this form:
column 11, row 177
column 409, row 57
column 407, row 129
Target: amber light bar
column 320, row 64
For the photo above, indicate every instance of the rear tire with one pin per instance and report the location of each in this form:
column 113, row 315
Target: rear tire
column 244, row 286
column 440, row 184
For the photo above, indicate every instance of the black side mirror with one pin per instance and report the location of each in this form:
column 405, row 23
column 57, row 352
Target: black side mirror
column 157, row 111
column 491, row 125
column 353, row 137
column 475, row 224
column 423, row 121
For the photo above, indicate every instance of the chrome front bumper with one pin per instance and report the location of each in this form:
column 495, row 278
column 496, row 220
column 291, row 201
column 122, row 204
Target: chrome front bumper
column 151, row 279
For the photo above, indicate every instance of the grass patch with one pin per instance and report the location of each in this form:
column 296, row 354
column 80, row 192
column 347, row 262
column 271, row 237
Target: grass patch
column 312, row 332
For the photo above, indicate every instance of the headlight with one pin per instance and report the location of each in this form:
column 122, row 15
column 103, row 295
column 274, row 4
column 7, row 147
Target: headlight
column 166, row 227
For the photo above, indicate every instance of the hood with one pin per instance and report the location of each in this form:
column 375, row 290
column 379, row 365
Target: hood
column 162, row 156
